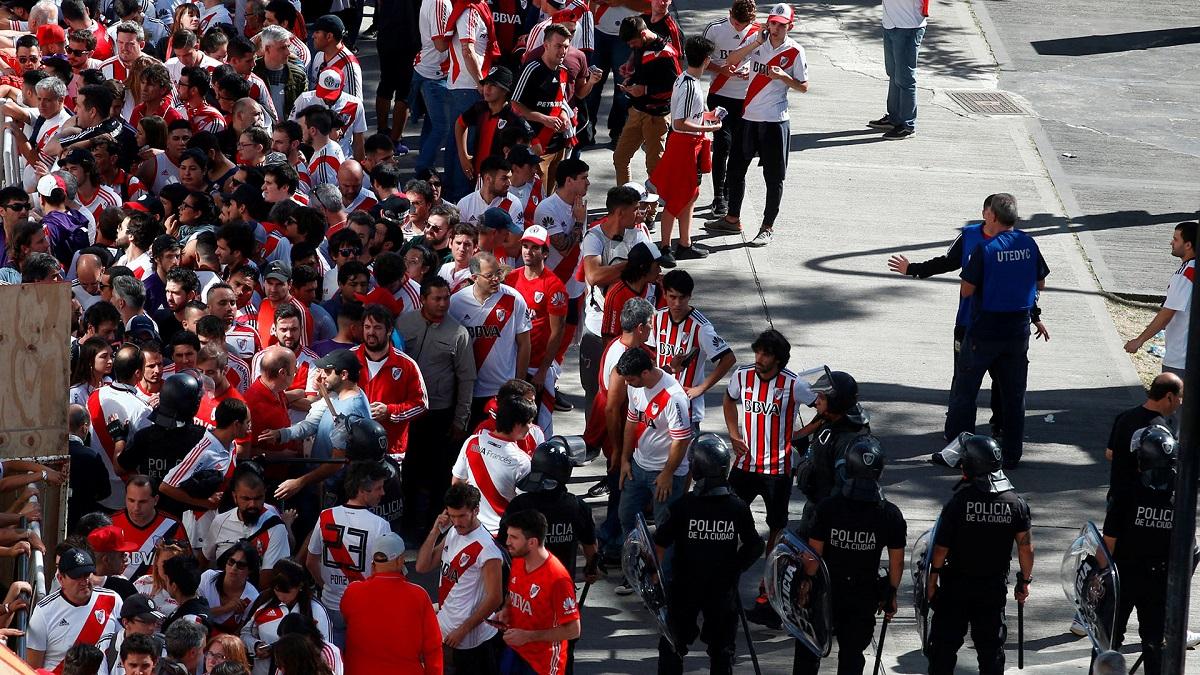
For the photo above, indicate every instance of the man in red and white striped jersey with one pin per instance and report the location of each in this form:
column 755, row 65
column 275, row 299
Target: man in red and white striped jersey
column 770, row 397
column 316, row 123
column 493, row 462
column 277, row 277
column 116, row 411
column 130, row 40
column 193, row 86
column 144, row 525
column 686, row 342
column 330, row 52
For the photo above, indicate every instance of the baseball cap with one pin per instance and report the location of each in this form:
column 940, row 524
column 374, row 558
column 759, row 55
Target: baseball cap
column 277, row 270
column 782, row 13
column 47, row 184
column 387, row 548
column 497, row 218
column 110, row 539
column 140, row 606
column 330, row 24
column 141, row 328
column 339, row 360
column 500, row 76
column 51, row 33
column 76, row 563
column 643, row 195
column 77, row 156
column 571, row 15
column 521, row 155
column 146, row 204
column 536, row 234
column 329, row 85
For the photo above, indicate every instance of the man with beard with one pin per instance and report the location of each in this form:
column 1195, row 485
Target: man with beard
column 240, row 339
column 152, row 370
column 391, row 379
column 253, row 520
column 302, row 392
column 277, row 277
column 182, row 286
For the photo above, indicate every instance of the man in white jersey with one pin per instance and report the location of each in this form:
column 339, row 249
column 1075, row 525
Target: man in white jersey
column 495, row 176
column 340, row 544
column 472, row 576
column 728, row 89
column 117, row 411
column 686, row 343
column 253, row 520
column 904, row 24
column 778, row 66
column 348, row 110
column 429, row 81
column 493, row 461
column 654, row 464
column 496, row 318
column 75, row 614
column 564, row 215
column 144, row 525
column 205, row 471
column 331, row 52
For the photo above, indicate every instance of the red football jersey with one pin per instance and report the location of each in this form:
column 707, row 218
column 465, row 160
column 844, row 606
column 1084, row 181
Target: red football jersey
column 545, row 296
column 538, row 600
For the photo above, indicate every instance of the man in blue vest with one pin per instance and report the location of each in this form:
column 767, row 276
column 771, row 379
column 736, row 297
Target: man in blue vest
column 1002, row 277
column 955, row 259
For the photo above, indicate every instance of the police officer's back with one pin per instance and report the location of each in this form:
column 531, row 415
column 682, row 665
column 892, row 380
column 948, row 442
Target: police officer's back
column 851, row 530
column 713, row 539
column 970, row 562
column 156, row 448
column 1137, row 530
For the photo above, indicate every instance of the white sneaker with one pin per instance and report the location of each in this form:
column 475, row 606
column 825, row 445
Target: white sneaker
column 1078, row 628
column 624, row 589
column 1193, row 639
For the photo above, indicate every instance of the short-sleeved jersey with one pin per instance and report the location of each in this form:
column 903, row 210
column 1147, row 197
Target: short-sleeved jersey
column 104, row 198
column 458, row 279
column 242, row 340
column 661, row 415
column 268, row 534
column 146, row 539
column 597, row 243
column 430, row 63
column 687, row 102
column 494, row 466
column 461, row 587
column 766, row 99
column 620, row 292
column 540, row 600
column 493, row 326
column 227, row 622
column 770, row 408
column 470, row 29
column 471, row 208
column 123, row 402
column 343, row 60
column 608, row 18
column 545, row 91
column 348, row 111
column 726, row 40
column 56, row 624
column 324, row 164
column 558, row 217
column 208, row 454
column 545, row 296
column 978, row 527
column 206, row 118
column 692, row 335
column 856, row 533
column 1179, row 298
column 343, row 540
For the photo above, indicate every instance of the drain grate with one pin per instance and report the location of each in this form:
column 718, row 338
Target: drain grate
column 987, row 102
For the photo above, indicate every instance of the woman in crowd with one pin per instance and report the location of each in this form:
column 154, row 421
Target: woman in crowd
column 291, row 592
column 228, row 589
column 92, row 369
column 154, row 584
column 225, row 649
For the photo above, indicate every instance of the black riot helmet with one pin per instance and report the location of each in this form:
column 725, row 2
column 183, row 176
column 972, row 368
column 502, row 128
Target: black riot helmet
column 710, row 461
column 840, row 390
column 861, row 468
column 178, row 401
column 549, row 468
column 982, row 463
column 368, row 439
column 1156, row 451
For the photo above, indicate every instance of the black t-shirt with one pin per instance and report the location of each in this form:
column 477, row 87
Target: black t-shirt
column 978, row 527
column 121, row 132
column 545, row 91
column 855, row 534
column 168, row 325
column 120, row 585
column 714, row 539
column 486, row 131
column 1141, row 521
column 1123, row 474
column 569, row 522
column 88, row 482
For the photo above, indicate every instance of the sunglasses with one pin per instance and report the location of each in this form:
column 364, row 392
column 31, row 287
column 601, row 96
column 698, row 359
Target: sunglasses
column 78, row 52
column 239, row 564
column 27, row 59
column 349, row 251
column 17, row 206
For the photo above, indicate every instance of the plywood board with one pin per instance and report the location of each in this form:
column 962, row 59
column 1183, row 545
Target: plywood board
column 35, row 351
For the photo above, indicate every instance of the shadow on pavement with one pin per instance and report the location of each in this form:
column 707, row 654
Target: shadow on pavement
column 1089, row 45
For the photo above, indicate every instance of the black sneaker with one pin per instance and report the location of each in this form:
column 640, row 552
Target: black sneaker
column 665, row 259
column 899, row 134
column 690, row 253
column 719, row 208
column 599, row 489
column 763, row 614
column 882, row 123
column 561, row 404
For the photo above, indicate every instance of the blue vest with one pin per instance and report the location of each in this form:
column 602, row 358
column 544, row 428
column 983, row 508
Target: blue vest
column 972, row 237
column 1010, row 269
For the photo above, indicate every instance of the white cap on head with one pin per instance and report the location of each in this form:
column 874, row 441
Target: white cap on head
column 782, row 13
column 536, row 234
column 387, row 548
column 643, row 194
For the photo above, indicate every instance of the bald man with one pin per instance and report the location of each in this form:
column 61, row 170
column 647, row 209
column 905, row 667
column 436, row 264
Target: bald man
column 355, row 197
column 1163, row 401
column 267, row 399
column 86, row 287
column 247, row 113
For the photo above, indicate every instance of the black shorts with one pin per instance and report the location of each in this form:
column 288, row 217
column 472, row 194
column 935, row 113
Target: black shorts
column 395, row 72
column 775, row 490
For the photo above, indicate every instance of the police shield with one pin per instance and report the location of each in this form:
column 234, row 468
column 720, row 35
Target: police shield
column 1090, row 581
column 919, row 564
column 639, row 562
column 798, row 588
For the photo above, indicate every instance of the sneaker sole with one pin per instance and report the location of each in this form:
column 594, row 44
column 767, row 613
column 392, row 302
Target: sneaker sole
column 884, row 127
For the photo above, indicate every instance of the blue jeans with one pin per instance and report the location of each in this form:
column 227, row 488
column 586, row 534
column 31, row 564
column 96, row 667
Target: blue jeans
column 455, row 185
column 430, row 96
column 900, row 47
column 638, row 490
column 1009, row 361
column 610, row 54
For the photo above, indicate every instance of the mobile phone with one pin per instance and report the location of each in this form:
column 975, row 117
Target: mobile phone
column 595, row 70
column 720, row 112
column 496, row 624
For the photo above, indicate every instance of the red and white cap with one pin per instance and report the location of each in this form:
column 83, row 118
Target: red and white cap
column 536, row 234
column 46, row 184
column 329, row 84
column 782, row 13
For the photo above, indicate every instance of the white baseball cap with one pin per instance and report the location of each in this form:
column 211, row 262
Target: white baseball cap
column 782, row 13
column 329, row 84
column 387, row 548
column 536, row 234
column 643, row 194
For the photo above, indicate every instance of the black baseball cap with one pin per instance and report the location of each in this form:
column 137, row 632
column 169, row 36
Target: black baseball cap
column 521, row 155
column 245, row 194
column 496, row 218
column 500, row 76
column 141, row 606
column 278, row 270
column 330, row 23
column 76, row 563
column 339, row 360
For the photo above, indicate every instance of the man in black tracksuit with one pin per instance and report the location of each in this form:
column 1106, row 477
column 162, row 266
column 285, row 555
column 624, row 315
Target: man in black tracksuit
column 968, row 573
column 713, row 540
column 850, row 532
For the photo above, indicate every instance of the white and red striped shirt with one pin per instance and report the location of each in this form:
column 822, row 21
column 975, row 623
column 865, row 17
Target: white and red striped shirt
column 104, row 198
column 209, row 454
column 727, row 40
column 114, row 69
column 766, row 99
column 461, row 587
column 261, row 93
column 661, row 415
column 494, row 466
column 146, row 539
column 324, row 165
column 242, row 340
column 343, row 60
column 206, row 118
column 119, row 401
column 470, row 31
column 770, row 408
column 493, row 326
column 364, row 201
column 694, row 334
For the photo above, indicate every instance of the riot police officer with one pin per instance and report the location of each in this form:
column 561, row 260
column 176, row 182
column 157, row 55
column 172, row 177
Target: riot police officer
column 840, row 420
column 850, row 532
column 968, row 574
column 1137, row 531
column 172, row 433
column 1002, row 278
column 713, row 540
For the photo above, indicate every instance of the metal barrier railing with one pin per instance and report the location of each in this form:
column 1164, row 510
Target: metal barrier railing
column 29, row 567
column 10, row 159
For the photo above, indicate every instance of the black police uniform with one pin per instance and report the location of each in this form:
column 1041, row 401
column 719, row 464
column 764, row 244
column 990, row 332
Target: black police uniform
column 816, row 474
column 1123, row 473
column 856, row 534
column 1141, row 521
column 568, row 522
column 714, row 541
column 155, row 450
column 978, row 527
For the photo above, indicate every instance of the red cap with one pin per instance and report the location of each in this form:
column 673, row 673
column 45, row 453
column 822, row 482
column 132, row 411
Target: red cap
column 571, row 15
column 110, row 539
column 329, row 84
column 51, row 34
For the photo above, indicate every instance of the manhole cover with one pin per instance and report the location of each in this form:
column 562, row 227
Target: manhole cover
column 987, row 102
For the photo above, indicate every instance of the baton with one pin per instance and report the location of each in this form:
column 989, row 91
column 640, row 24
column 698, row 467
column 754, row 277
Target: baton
column 587, row 586
column 1020, row 635
column 1137, row 663
column 746, row 629
column 879, row 647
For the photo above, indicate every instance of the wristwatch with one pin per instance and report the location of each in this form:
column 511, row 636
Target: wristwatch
column 45, row 475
